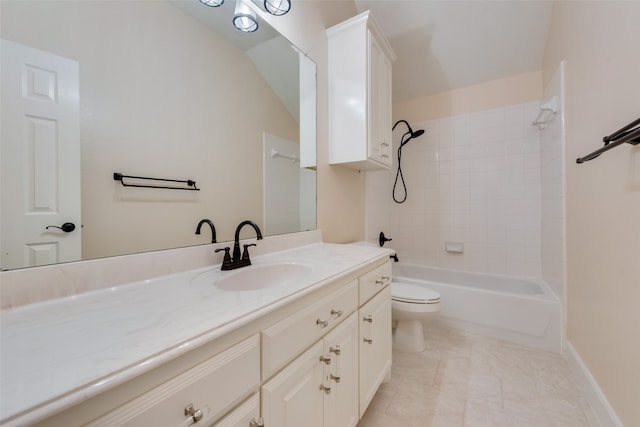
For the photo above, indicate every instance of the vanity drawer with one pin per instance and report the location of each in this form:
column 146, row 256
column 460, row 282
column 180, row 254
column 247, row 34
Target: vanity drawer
column 285, row 340
column 373, row 282
column 213, row 387
column 243, row 414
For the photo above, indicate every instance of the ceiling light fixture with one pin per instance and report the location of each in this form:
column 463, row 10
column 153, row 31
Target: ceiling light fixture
column 277, row 7
column 245, row 18
column 212, row 3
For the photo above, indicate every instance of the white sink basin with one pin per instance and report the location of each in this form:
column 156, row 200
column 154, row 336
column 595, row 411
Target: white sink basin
column 266, row 276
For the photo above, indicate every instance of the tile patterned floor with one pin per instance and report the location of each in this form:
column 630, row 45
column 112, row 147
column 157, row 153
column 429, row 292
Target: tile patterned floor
column 464, row 380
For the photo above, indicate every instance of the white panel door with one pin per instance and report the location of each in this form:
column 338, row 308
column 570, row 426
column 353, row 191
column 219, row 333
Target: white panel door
column 40, row 157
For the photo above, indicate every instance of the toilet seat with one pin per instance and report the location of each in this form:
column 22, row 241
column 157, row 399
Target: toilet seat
column 413, row 294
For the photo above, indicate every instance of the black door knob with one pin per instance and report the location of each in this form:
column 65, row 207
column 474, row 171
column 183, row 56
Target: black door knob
column 67, row 227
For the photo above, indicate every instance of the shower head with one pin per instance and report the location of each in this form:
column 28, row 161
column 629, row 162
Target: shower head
column 410, row 132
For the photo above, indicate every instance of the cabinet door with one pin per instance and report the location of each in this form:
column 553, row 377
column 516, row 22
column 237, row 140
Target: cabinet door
column 375, row 345
column 341, row 375
column 293, row 398
column 379, row 103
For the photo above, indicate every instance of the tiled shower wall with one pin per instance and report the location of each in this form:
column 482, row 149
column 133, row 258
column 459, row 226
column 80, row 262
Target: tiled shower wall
column 472, row 178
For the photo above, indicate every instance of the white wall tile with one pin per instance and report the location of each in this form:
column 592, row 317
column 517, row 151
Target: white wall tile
column 475, row 178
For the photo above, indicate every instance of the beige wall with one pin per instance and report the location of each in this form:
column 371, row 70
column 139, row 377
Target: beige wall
column 600, row 42
column 484, row 96
column 341, row 191
column 151, row 86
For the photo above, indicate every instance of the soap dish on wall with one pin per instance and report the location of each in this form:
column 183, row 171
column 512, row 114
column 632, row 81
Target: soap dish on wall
column 454, row 247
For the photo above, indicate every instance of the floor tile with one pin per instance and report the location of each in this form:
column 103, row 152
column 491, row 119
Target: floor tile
column 468, row 380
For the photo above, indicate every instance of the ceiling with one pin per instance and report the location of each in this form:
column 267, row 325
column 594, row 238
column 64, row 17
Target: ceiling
column 448, row 44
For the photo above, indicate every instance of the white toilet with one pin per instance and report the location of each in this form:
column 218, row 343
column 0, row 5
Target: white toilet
column 411, row 305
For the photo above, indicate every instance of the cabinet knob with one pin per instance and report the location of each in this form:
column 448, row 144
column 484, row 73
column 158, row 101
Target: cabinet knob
column 336, row 313
column 368, row 341
column 368, row 318
column 335, row 350
column 385, row 277
column 326, row 389
column 322, row 323
column 326, row 360
column 380, row 282
column 195, row 414
column 335, row 378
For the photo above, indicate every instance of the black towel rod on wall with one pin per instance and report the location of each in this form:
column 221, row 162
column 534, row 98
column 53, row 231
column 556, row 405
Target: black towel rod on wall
column 629, row 134
column 191, row 185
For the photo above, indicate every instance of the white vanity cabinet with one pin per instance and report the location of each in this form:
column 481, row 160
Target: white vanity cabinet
column 243, row 415
column 201, row 395
column 293, row 397
column 320, row 386
column 315, row 361
column 374, row 332
column 360, row 94
column 341, row 375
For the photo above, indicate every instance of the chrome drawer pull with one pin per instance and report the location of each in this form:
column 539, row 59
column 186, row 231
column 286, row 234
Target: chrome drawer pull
column 336, row 313
column 335, row 350
column 385, row 277
column 368, row 341
column 335, row 378
column 380, row 282
column 195, row 414
column 325, row 388
column 368, row 318
column 322, row 323
column 326, row 360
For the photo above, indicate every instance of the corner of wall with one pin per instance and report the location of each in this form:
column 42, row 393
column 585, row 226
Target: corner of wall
column 589, row 387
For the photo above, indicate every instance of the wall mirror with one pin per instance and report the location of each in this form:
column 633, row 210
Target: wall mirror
column 162, row 89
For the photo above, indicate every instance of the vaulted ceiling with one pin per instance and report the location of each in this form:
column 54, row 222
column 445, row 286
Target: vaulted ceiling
column 447, row 44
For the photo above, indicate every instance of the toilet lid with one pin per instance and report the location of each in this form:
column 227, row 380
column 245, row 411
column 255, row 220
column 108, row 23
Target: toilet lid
column 405, row 292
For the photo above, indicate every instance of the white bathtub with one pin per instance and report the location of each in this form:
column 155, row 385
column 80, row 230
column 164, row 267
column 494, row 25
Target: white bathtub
column 523, row 311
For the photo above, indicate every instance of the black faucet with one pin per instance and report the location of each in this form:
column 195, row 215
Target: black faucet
column 213, row 228
column 237, row 260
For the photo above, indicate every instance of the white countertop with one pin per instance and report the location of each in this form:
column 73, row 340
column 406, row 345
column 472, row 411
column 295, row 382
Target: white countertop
column 57, row 353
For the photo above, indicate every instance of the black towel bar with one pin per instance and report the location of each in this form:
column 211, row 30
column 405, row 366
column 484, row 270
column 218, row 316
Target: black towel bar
column 191, row 185
column 629, row 134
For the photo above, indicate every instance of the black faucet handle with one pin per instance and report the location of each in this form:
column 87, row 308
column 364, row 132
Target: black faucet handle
column 245, row 252
column 226, row 261
column 382, row 239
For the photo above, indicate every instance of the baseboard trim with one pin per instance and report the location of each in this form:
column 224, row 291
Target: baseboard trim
column 599, row 403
